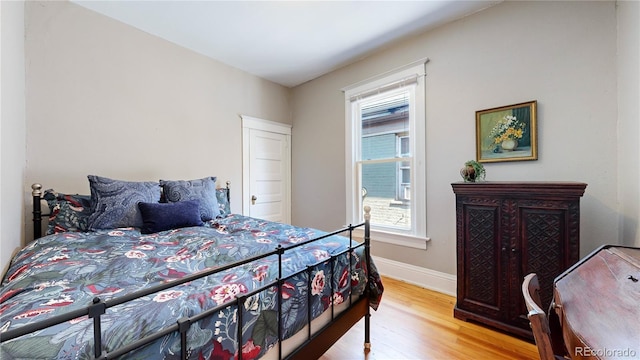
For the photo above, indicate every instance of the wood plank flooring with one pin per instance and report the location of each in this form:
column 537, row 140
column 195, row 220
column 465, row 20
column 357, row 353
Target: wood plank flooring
column 416, row 323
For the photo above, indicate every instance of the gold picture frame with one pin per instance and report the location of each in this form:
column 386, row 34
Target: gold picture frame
column 507, row 133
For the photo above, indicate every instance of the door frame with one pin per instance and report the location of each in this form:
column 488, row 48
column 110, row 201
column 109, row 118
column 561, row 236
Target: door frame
column 252, row 123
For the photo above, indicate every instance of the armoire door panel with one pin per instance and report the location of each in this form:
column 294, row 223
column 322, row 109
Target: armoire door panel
column 483, row 255
column 543, row 238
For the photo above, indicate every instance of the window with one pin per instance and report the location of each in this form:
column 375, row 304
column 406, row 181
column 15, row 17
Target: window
column 385, row 155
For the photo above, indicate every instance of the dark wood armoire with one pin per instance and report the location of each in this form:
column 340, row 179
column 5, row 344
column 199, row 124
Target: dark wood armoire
column 504, row 231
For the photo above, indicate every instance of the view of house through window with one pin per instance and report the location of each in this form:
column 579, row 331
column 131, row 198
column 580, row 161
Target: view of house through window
column 385, row 154
column 385, row 158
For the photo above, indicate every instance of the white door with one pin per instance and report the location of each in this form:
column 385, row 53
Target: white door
column 267, row 170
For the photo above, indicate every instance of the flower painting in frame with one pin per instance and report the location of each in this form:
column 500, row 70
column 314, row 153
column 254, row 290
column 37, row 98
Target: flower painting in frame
column 507, row 133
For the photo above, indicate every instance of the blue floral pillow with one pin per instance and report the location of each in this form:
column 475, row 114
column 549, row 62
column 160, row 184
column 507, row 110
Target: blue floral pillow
column 203, row 190
column 223, row 201
column 67, row 212
column 114, row 203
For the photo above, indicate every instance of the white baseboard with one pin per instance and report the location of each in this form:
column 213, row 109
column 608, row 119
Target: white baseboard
column 426, row 278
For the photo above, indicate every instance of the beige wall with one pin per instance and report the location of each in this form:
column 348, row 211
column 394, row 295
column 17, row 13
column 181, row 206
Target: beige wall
column 562, row 54
column 108, row 99
column 12, row 127
column 628, row 13
column 105, row 98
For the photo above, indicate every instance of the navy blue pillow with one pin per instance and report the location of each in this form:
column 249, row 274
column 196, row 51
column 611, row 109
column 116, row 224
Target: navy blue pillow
column 158, row 217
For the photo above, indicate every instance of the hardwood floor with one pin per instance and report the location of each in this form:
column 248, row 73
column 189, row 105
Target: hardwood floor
column 416, row 323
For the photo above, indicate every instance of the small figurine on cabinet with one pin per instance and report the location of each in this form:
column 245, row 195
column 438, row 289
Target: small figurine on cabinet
column 472, row 171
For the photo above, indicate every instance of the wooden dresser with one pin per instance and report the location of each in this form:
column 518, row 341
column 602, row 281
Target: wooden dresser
column 504, row 231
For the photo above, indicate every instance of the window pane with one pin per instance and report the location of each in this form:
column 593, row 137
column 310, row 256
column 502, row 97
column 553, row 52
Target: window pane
column 388, row 198
column 405, row 150
column 383, row 121
column 406, row 176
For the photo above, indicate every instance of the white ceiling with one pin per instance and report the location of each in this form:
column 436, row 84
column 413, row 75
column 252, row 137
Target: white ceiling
column 287, row 42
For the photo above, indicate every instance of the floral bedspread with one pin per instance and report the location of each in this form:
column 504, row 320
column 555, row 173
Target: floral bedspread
column 66, row 271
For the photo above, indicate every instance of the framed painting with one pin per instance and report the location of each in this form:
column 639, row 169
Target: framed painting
column 507, row 133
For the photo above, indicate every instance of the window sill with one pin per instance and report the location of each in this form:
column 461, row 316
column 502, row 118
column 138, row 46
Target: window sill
column 411, row 241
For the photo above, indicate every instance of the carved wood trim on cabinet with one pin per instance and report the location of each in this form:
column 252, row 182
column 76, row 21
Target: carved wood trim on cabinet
column 504, row 231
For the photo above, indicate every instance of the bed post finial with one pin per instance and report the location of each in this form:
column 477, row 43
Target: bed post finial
column 36, row 189
column 229, row 194
column 36, row 193
column 367, row 252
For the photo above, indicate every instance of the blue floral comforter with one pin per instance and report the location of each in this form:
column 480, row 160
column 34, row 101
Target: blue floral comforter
column 66, row 271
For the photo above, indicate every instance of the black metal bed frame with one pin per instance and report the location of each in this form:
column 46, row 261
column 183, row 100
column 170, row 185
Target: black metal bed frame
column 314, row 345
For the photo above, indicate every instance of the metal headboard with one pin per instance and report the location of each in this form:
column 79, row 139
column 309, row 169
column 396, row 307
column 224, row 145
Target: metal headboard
column 36, row 193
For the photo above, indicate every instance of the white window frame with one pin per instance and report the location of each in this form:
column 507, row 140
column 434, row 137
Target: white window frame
column 401, row 190
column 416, row 237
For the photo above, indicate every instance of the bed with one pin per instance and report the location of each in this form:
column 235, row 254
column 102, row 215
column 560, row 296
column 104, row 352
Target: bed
column 210, row 285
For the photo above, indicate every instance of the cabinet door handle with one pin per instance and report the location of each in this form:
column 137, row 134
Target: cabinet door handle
column 513, row 250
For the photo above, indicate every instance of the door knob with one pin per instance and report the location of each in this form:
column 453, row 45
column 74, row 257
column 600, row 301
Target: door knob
column 253, row 199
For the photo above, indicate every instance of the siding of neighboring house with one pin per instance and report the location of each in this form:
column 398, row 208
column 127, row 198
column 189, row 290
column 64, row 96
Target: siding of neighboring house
column 380, row 180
